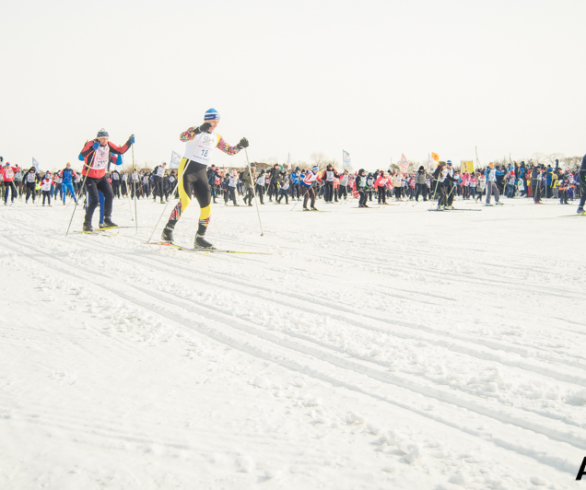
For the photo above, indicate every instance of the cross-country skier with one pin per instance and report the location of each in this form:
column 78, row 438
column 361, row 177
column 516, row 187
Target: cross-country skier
column 8, row 173
column 536, row 184
column 46, row 188
column 30, row 181
column 440, row 174
column 284, row 190
column 199, row 145
column 420, row 184
column 328, row 176
column 307, row 180
column 491, row 187
column 158, row 175
column 361, row 184
column 295, row 184
column 68, row 174
column 344, row 182
column 451, row 183
column 115, row 177
column 249, row 178
column 97, row 156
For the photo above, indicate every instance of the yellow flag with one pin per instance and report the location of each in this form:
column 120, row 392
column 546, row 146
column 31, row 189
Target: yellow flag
column 435, row 156
column 467, row 166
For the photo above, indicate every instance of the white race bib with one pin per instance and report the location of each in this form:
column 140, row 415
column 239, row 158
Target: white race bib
column 101, row 156
column 199, row 149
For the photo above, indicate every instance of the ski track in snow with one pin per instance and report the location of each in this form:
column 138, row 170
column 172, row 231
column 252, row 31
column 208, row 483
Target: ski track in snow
column 398, row 349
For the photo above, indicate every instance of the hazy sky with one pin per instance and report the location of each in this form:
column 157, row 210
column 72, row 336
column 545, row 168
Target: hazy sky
column 376, row 78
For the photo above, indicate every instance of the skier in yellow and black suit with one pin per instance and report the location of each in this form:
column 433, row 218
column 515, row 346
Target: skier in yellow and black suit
column 192, row 173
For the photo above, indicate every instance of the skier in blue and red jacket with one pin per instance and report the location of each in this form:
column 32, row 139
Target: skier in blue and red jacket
column 96, row 154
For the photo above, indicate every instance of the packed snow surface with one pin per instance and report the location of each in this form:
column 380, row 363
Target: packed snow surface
column 385, row 348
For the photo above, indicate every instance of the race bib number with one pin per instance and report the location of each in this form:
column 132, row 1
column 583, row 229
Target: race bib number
column 101, row 157
column 200, row 148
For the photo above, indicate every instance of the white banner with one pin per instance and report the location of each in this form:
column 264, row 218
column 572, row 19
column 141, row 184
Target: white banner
column 346, row 159
column 175, row 160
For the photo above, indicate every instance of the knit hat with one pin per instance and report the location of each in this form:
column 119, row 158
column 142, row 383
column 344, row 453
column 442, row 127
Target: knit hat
column 102, row 133
column 211, row 115
column 449, row 162
column 315, row 168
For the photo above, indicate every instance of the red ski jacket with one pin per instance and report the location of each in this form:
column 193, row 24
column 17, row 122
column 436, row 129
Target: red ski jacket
column 98, row 169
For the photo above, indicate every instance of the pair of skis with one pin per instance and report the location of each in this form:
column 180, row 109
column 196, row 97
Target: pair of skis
column 206, row 250
column 106, row 231
column 448, row 210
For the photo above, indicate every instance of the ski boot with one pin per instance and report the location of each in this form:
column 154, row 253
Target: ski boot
column 108, row 223
column 314, row 209
column 580, row 210
column 167, row 235
column 201, row 242
column 87, row 227
column 305, row 209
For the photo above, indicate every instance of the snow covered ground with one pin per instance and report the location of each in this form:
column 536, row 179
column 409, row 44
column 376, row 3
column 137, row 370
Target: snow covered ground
column 385, row 348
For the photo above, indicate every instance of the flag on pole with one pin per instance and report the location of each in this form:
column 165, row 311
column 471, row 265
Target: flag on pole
column 289, row 161
column 35, row 164
column 435, row 156
column 346, row 159
column 175, row 159
column 404, row 164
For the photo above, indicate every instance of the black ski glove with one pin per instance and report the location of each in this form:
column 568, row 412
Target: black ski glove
column 243, row 143
column 205, row 128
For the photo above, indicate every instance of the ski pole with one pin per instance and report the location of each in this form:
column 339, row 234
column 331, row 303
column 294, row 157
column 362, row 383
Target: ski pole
column 82, row 186
column 254, row 189
column 295, row 206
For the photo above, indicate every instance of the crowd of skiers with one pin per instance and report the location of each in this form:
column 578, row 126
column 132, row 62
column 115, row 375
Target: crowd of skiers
column 277, row 185
column 32, row 184
column 443, row 184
